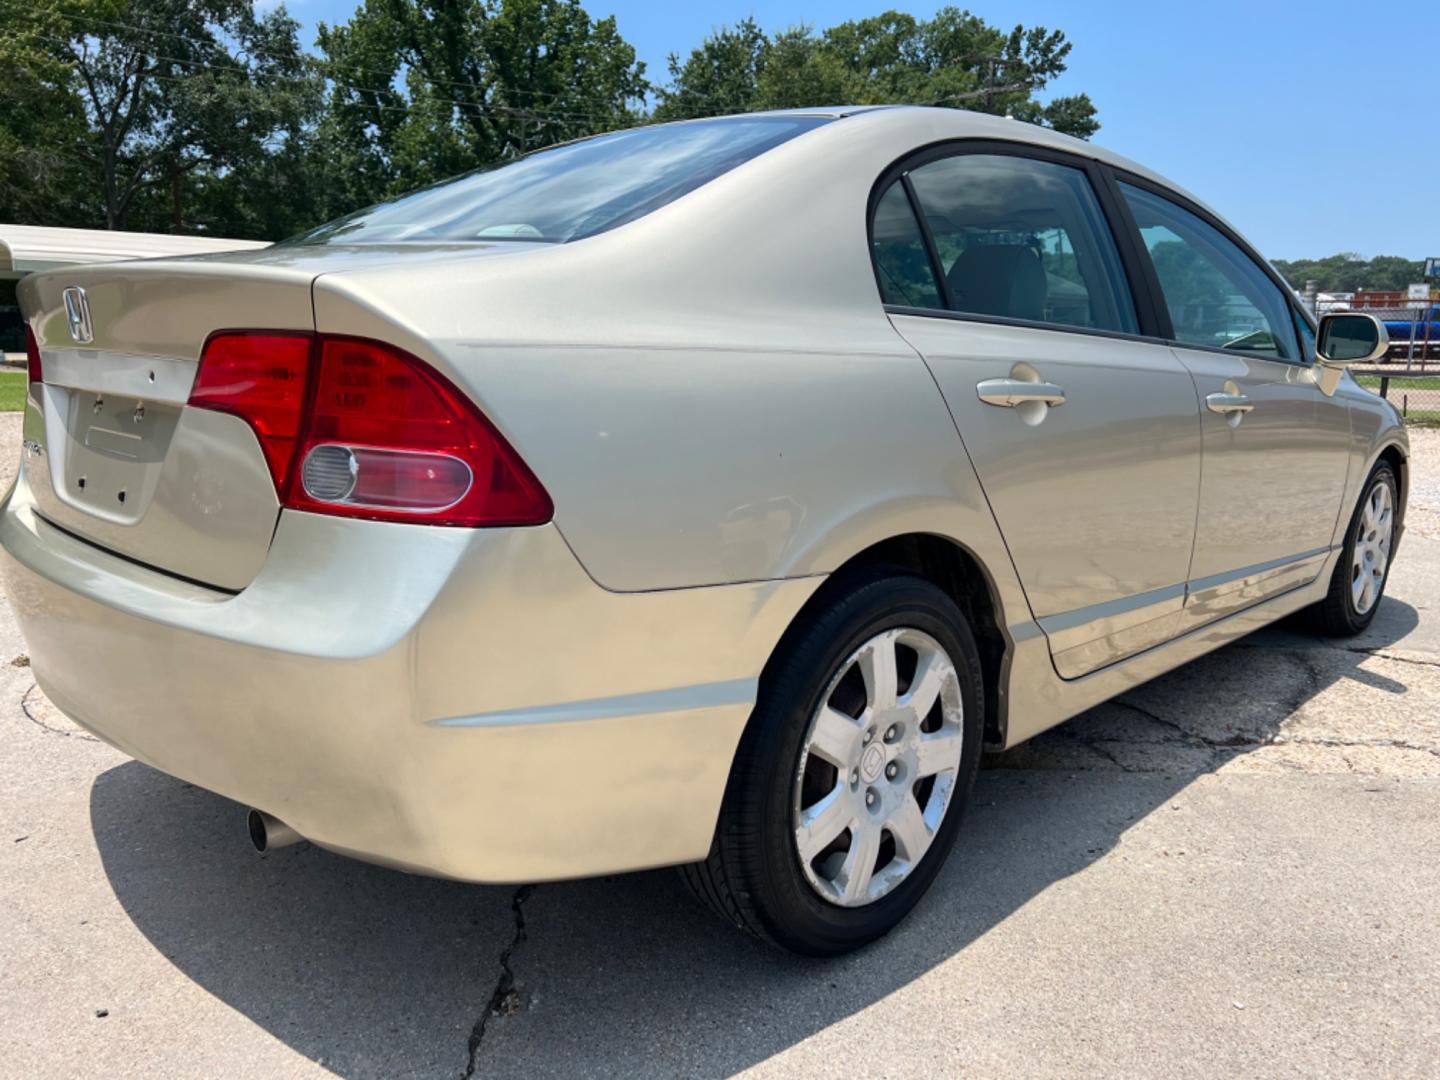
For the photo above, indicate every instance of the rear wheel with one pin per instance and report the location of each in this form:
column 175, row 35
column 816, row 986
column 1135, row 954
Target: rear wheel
column 1359, row 579
column 848, row 787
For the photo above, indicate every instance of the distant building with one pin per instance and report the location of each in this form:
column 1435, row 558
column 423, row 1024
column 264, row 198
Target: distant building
column 25, row 249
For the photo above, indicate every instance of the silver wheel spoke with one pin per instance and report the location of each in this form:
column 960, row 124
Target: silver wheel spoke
column 823, row 822
column 835, row 737
column 925, row 687
column 938, row 752
column 859, row 868
column 877, row 665
column 907, row 826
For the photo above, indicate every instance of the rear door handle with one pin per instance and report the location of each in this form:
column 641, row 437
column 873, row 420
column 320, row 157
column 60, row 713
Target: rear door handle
column 1228, row 403
column 1007, row 393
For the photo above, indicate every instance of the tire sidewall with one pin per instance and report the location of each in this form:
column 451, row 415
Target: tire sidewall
column 802, row 677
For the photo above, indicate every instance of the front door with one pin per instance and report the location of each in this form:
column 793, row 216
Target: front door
column 1085, row 436
column 1276, row 447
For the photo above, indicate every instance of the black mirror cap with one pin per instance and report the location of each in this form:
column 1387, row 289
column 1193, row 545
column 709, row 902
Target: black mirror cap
column 1351, row 337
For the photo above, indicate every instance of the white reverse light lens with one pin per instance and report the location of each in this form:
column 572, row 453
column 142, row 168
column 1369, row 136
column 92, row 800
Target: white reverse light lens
column 384, row 479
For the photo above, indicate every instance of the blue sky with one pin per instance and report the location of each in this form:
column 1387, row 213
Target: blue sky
column 1312, row 129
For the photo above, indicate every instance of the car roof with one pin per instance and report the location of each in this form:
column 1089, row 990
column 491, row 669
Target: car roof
column 932, row 124
column 948, row 123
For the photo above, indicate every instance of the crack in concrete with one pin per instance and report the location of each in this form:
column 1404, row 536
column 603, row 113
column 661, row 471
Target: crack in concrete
column 1322, row 645
column 1230, row 746
column 1386, row 654
column 1352, row 744
column 25, row 707
column 1220, row 748
column 504, row 1000
column 1155, row 718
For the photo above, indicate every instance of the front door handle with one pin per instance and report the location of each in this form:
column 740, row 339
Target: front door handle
column 1228, row 403
column 1007, row 393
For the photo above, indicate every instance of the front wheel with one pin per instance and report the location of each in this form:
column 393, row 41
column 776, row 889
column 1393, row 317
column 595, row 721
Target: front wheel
column 1359, row 579
column 849, row 784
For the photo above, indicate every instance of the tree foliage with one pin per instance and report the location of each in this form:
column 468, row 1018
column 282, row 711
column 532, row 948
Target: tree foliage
column 424, row 89
column 1348, row 272
column 955, row 59
column 204, row 116
column 149, row 97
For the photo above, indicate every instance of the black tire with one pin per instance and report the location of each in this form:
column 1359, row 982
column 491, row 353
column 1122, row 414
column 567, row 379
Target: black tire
column 753, row 876
column 1335, row 616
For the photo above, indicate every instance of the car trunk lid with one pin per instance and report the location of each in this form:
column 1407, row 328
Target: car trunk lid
column 112, row 453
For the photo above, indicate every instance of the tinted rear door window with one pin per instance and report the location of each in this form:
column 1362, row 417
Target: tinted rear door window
column 1021, row 238
column 902, row 262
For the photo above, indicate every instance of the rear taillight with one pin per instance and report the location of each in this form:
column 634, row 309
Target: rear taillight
column 261, row 378
column 32, row 357
column 361, row 429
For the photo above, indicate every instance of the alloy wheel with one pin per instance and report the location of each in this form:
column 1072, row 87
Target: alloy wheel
column 878, row 767
column 1372, row 548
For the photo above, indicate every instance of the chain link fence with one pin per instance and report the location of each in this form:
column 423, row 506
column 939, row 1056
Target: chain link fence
column 1409, row 374
column 1415, row 393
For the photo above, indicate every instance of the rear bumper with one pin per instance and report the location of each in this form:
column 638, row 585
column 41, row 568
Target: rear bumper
column 459, row 702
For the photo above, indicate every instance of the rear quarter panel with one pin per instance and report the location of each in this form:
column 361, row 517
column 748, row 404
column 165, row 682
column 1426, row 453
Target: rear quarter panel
column 713, row 393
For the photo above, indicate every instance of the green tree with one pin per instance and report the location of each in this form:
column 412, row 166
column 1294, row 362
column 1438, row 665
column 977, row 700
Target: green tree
column 42, row 121
column 425, row 89
column 721, row 76
column 165, row 95
column 1348, row 272
column 955, row 59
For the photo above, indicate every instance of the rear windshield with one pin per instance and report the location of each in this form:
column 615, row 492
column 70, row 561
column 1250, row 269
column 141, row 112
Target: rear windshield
column 569, row 192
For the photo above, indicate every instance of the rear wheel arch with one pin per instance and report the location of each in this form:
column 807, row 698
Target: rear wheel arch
column 954, row 569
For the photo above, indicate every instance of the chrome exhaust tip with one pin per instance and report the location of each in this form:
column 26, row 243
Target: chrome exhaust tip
column 268, row 832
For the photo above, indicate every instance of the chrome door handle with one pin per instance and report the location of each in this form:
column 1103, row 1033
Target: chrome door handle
column 1228, row 403
column 1007, row 393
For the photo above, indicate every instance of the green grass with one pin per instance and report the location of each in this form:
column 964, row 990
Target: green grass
column 12, row 391
column 1372, row 382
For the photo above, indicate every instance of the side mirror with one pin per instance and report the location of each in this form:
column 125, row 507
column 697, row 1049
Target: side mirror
column 1351, row 337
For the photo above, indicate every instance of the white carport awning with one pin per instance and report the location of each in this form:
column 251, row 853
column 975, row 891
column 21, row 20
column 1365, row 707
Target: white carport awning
column 27, row 248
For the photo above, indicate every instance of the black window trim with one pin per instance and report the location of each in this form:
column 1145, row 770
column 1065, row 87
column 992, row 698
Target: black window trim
column 1119, row 176
column 932, row 250
column 1126, row 239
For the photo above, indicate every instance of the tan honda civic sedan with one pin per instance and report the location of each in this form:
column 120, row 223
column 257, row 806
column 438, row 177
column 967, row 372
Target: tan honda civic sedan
column 706, row 494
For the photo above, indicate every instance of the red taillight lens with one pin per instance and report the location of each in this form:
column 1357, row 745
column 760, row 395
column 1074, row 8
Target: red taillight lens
column 32, row 357
column 380, row 435
column 415, row 447
column 261, row 378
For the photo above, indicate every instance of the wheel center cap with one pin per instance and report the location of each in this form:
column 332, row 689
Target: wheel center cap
column 872, row 763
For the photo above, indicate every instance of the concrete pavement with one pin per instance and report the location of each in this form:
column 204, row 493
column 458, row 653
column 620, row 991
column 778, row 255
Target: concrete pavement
column 1232, row 869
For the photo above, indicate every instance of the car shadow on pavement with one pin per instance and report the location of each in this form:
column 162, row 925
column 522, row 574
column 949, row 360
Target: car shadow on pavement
column 375, row 973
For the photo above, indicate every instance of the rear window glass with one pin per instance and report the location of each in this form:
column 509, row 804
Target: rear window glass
column 569, row 192
column 906, row 275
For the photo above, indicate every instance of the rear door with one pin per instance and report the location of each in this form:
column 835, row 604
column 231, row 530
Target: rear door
column 1084, row 434
column 1276, row 446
